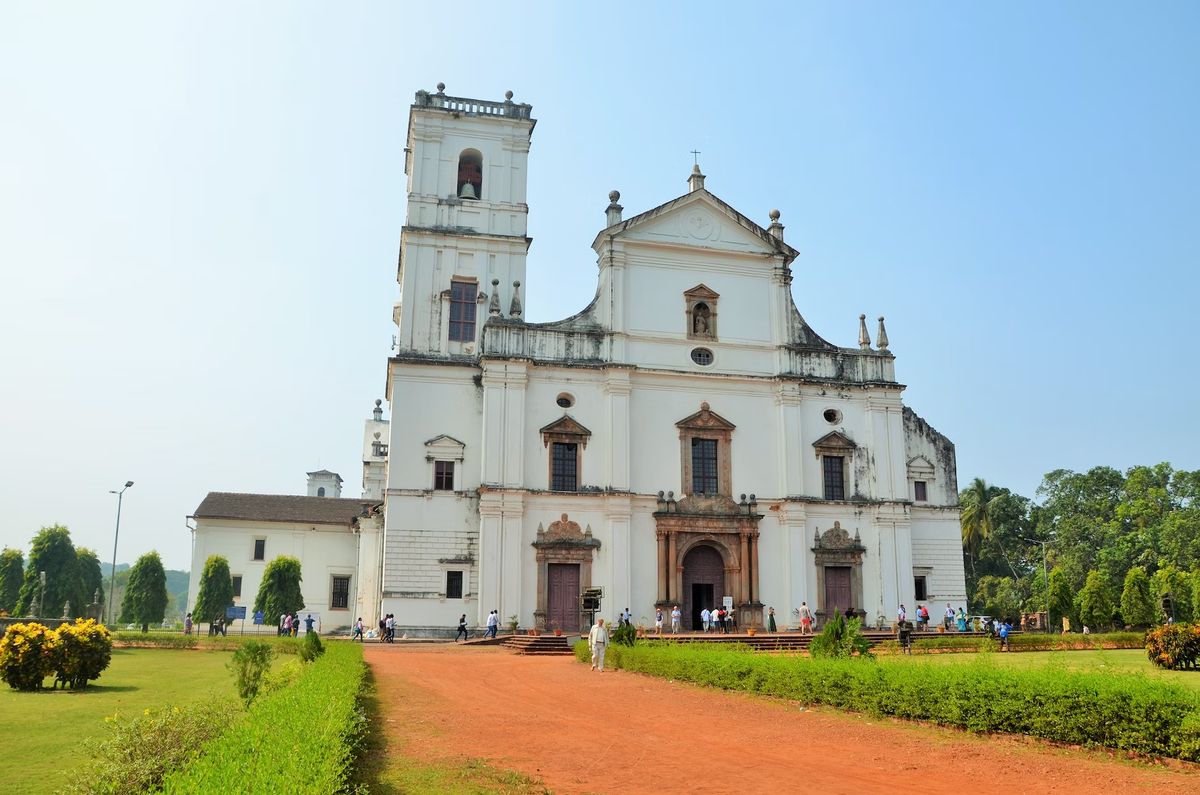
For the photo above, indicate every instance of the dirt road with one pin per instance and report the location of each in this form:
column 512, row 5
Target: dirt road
column 618, row 732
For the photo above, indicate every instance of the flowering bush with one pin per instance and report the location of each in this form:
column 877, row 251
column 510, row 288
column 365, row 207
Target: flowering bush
column 26, row 655
column 1174, row 646
column 83, row 650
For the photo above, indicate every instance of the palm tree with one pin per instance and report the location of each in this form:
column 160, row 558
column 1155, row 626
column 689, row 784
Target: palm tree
column 977, row 521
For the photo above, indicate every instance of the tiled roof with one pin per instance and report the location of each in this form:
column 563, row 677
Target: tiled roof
column 283, row 508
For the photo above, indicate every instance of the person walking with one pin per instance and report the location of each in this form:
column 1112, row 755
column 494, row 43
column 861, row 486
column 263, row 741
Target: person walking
column 771, row 620
column 187, row 624
column 901, row 617
column 806, row 619
column 383, row 628
column 308, row 624
column 628, row 617
column 949, row 616
column 675, row 616
column 391, row 628
column 1004, row 628
column 358, row 630
column 462, row 629
column 705, row 618
column 598, row 643
column 658, row 621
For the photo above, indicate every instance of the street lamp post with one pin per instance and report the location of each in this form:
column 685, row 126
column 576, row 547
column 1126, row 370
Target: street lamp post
column 1045, row 576
column 112, row 575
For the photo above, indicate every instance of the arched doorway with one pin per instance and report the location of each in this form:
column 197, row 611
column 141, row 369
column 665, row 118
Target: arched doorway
column 703, row 584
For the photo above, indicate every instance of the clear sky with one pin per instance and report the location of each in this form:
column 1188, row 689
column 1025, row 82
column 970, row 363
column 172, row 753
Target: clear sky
column 200, row 212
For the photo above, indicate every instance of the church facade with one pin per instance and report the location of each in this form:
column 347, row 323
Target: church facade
column 685, row 439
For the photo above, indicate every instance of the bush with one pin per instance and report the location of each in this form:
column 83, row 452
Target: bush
column 249, row 664
column 27, row 655
column 214, row 643
column 298, row 739
column 82, row 652
column 840, row 638
column 1175, row 646
column 1130, row 713
column 624, row 635
column 136, row 754
column 311, row 648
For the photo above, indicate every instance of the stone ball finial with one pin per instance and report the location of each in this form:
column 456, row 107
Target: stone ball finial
column 704, row 407
column 614, row 196
column 518, row 284
column 881, row 318
column 862, row 317
column 441, row 86
column 496, row 283
column 378, row 402
column 774, row 215
column 508, row 95
column 564, row 517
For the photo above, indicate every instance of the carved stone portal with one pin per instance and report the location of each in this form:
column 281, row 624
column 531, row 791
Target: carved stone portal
column 563, row 543
column 835, row 552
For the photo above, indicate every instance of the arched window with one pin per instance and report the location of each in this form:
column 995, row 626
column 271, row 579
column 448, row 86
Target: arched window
column 321, row 492
column 470, row 173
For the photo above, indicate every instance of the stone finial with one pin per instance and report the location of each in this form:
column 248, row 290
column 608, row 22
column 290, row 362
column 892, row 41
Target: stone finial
column 508, row 96
column 441, row 88
column 613, row 213
column 864, row 339
column 514, row 309
column 378, row 412
column 696, row 180
column 494, row 301
column 96, row 597
column 881, row 341
column 704, row 407
column 776, row 228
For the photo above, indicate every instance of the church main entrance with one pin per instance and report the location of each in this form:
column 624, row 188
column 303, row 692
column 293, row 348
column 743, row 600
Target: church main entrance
column 703, row 584
column 563, row 598
column 837, row 589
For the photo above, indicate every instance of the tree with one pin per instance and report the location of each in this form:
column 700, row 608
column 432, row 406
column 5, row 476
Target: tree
column 12, row 572
column 1169, row 580
column 1095, row 606
column 90, row 580
column 145, row 599
column 216, row 590
column 999, row 597
column 1062, row 602
column 279, row 590
column 977, row 521
column 53, row 553
column 1136, row 607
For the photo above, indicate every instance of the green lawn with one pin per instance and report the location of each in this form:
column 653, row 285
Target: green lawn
column 1107, row 661
column 43, row 731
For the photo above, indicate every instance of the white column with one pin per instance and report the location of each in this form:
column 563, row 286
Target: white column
column 490, row 548
column 795, row 560
column 791, row 451
column 367, row 585
column 514, row 425
column 492, row 454
column 617, row 393
column 618, row 511
column 512, row 558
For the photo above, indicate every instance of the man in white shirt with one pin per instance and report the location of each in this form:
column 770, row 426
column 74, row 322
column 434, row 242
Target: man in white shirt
column 598, row 642
column 949, row 615
column 705, row 617
column 675, row 616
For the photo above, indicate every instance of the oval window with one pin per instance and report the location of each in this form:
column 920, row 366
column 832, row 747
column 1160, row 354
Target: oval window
column 702, row 356
column 832, row 416
column 565, row 401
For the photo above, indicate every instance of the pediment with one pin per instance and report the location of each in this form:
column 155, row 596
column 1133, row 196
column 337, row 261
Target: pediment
column 706, row 419
column 702, row 292
column 700, row 219
column 835, row 440
column 565, row 429
column 445, row 442
column 920, row 463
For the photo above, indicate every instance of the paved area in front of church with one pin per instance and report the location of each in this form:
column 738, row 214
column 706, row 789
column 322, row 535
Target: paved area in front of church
column 618, row 732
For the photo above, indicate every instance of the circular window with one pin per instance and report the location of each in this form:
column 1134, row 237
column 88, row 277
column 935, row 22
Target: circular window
column 702, row 356
column 832, row 416
column 565, row 401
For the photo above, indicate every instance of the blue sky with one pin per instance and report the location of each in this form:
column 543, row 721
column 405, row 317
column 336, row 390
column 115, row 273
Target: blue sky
column 200, row 210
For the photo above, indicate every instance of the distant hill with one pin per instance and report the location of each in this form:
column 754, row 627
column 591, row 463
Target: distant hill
column 177, row 580
column 106, row 568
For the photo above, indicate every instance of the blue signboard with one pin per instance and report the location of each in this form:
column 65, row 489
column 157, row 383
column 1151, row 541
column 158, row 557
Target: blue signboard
column 235, row 612
column 258, row 617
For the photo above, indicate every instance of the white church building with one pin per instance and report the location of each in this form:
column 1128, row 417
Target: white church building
column 684, row 438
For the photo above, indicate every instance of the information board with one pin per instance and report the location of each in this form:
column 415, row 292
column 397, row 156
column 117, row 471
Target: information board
column 235, row 612
column 258, row 616
column 728, row 602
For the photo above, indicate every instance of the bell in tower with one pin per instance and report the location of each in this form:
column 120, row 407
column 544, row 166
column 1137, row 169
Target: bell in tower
column 470, row 174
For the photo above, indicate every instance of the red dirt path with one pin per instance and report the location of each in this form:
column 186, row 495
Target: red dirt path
column 618, row 732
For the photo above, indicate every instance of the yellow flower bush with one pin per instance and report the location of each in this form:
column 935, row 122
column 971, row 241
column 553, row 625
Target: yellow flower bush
column 26, row 655
column 75, row 654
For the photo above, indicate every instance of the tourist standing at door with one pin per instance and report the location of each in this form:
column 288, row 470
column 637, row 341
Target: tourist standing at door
column 705, row 618
column 675, row 616
column 806, row 619
column 598, row 642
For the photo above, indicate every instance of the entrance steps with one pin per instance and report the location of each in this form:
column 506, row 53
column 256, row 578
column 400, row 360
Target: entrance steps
column 541, row 645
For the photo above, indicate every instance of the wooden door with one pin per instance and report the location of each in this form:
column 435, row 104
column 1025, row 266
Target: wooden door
column 703, row 565
column 563, row 598
column 837, row 590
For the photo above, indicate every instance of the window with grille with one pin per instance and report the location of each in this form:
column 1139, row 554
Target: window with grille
column 340, row 598
column 237, row 587
column 919, row 589
column 564, row 467
column 462, row 311
column 704, row 466
column 443, row 475
column 919, row 490
column 454, row 584
column 835, row 484
column 260, row 549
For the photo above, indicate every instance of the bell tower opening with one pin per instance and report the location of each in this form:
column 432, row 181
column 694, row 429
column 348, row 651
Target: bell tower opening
column 470, row 175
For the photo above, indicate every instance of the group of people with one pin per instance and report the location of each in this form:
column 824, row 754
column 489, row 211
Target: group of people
column 386, row 633
column 289, row 624
column 718, row 620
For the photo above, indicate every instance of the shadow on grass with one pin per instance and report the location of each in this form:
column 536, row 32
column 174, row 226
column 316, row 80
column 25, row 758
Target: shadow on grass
column 383, row 767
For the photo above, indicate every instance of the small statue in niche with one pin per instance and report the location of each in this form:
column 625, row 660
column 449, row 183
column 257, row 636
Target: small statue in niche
column 700, row 317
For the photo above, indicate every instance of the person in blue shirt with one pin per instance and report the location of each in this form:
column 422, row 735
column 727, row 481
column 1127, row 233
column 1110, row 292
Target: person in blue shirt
column 1004, row 629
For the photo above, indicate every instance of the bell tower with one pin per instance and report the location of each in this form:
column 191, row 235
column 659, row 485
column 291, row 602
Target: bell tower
column 464, row 239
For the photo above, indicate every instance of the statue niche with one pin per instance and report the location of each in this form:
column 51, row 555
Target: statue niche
column 701, row 305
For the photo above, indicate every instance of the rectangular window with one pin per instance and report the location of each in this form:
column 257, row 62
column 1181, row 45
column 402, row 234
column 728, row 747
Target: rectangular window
column 919, row 589
column 454, row 585
column 443, row 475
column 340, row 599
column 835, row 484
column 564, row 467
column 462, row 311
column 919, row 490
column 237, row 587
column 704, row 466
column 260, row 549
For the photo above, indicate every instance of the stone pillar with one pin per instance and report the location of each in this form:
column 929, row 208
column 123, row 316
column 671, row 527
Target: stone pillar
column 662, row 567
column 744, row 566
column 673, row 588
column 754, row 594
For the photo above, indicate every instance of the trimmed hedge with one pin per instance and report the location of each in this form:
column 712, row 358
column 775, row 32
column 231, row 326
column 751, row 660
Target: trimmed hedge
column 214, row 643
column 923, row 644
column 299, row 739
column 1123, row 711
